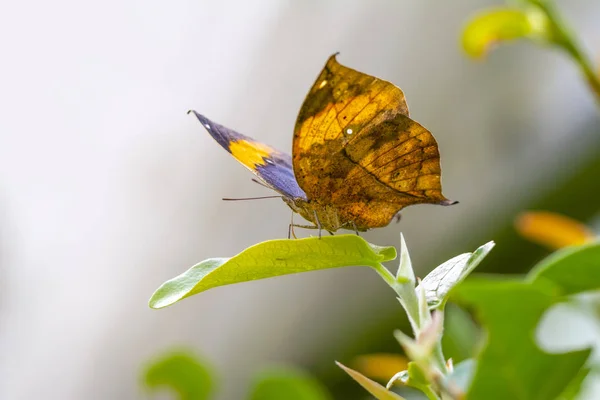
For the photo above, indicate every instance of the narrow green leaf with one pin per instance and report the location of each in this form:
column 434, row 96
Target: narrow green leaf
column 287, row 383
column 492, row 26
column 511, row 366
column 573, row 269
column 405, row 271
column 183, row 373
column 441, row 280
column 372, row 387
column 269, row 259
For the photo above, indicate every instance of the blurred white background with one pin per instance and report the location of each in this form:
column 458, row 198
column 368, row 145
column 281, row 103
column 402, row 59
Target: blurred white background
column 107, row 187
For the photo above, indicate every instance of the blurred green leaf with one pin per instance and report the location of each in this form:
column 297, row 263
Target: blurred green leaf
column 573, row 391
column 511, row 366
column 417, row 378
column 380, row 392
column 463, row 374
column 269, row 259
column 461, row 334
column 441, row 280
column 490, row 27
column 573, row 269
column 289, row 384
column 183, row 373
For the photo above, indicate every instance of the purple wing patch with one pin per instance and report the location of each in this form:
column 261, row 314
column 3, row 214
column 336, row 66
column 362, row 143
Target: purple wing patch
column 275, row 170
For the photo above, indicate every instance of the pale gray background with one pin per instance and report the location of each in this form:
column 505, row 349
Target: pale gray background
column 107, row 187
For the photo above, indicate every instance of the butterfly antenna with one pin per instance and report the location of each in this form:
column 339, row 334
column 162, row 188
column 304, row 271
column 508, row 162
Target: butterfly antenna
column 253, row 198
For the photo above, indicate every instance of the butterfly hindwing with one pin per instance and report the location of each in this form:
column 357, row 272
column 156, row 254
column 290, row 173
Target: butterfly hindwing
column 272, row 166
column 356, row 149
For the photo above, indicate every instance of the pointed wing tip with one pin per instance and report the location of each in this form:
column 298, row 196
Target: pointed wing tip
column 448, row 202
column 332, row 58
column 196, row 113
column 207, row 123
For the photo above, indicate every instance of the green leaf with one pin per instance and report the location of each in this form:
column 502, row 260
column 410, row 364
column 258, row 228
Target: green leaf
column 272, row 258
column 573, row 391
column 461, row 334
column 511, row 366
column 441, row 280
column 573, row 269
column 289, row 384
column 183, row 373
column 417, row 378
column 372, row 387
column 462, row 375
column 489, row 27
column 405, row 271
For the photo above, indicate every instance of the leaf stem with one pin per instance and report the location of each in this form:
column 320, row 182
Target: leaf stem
column 387, row 276
column 564, row 38
column 406, row 294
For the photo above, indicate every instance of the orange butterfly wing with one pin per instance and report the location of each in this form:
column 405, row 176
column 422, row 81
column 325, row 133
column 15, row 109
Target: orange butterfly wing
column 356, row 150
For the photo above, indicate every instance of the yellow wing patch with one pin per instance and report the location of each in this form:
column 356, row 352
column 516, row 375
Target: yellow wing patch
column 251, row 154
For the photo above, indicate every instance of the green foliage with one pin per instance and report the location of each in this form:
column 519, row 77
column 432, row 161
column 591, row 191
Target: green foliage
column 190, row 378
column 280, row 257
column 273, row 258
column 573, row 270
column 183, row 373
column 511, row 365
column 289, row 384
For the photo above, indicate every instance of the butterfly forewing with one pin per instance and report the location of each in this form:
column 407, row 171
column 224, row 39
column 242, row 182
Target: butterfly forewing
column 272, row 166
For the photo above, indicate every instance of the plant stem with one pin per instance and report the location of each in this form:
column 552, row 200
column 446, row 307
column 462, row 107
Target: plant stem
column 408, row 298
column 387, row 276
column 438, row 358
column 563, row 38
column 431, row 395
column 406, row 295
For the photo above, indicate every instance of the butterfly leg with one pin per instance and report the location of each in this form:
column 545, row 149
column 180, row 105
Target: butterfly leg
column 355, row 228
column 291, row 228
column 293, row 225
column 318, row 222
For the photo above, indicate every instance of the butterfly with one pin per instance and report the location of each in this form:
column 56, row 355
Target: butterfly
column 357, row 157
